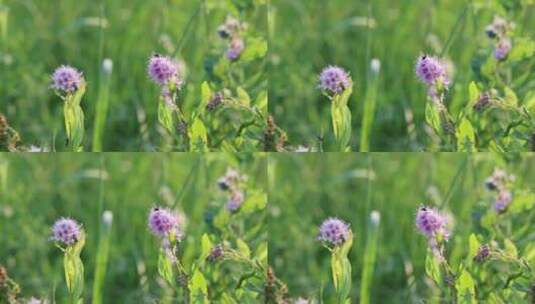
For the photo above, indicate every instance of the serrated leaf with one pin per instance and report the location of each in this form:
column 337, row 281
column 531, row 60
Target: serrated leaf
column 254, row 201
column 473, row 246
column 254, row 48
column 432, row 117
column 510, row 97
column 432, row 268
column 198, row 288
column 206, row 246
column 473, row 93
column 165, row 116
column 206, row 95
column 165, row 267
column 510, row 248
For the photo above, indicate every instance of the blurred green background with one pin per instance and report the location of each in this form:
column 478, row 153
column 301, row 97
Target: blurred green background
column 38, row 36
column 306, row 189
column 308, row 35
column 38, row 189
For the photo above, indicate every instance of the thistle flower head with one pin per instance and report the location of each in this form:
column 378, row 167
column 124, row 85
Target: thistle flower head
column 334, row 80
column 431, row 223
column 483, row 253
column 235, row 201
column 66, row 231
column 334, row 231
column 67, row 79
column 164, row 70
column 431, row 71
column 502, row 49
column 215, row 254
column 503, row 200
column 163, row 223
column 237, row 45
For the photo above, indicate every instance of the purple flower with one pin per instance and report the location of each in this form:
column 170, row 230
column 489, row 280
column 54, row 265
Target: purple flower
column 235, row 201
column 215, row 254
column 503, row 200
column 236, row 48
column 164, row 70
column 431, row 71
column 502, row 49
column 67, row 79
column 334, row 80
column 334, row 231
column 162, row 222
column 431, row 223
column 66, row 231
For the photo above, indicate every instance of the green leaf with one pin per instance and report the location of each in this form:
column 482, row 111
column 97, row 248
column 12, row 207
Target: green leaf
column 165, row 267
column 262, row 102
column 206, row 246
column 261, row 253
column 432, row 117
column 341, row 270
column 473, row 246
column 510, row 97
column 243, row 248
column 74, row 269
column 198, row 288
column 341, row 118
column 432, row 268
column 523, row 48
column 474, row 93
column 165, row 116
column 254, row 48
column 255, row 201
column 74, row 119
column 465, row 288
column 243, row 97
column 206, row 95
column 198, row 136
column 465, row 136
column 510, row 248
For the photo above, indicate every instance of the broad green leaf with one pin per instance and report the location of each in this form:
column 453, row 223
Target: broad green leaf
column 198, row 288
column 165, row 116
column 254, row 48
column 432, row 268
column 473, row 245
column 198, row 136
column 262, row 102
column 222, row 219
column 474, row 93
column 432, row 117
column 465, row 136
column 523, row 48
column 510, row 248
column 466, row 293
column 243, row 97
column 206, row 246
column 261, row 253
column 165, row 267
column 206, row 95
column 510, row 97
column 243, row 248
column 254, row 201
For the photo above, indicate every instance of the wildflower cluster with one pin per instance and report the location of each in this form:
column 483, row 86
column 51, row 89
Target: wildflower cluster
column 432, row 71
column 231, row 183
column 166, row 72
column 434, row 226
column 499, row 182
column 232, row 30
column 499, row 31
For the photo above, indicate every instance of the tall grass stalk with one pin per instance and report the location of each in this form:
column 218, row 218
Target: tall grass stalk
column 102, row 104
column 102, row 256
column 369, row 105
column 370, row 254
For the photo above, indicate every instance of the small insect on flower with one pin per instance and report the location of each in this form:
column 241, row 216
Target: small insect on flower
column 502, row 49
column 216, row 254
column 237, row 45
column 66, row 231
column 236, row 200
column 431, row 223
column 163, row 223
column 163, row 70
column 334, row 80
column 503, row 200
column 432, row 71
column 334, row 231
column 67, row 79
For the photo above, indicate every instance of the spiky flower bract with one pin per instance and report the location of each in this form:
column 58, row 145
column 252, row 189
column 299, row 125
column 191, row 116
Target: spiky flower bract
column 334, row 231
column 67, row 79
column 66, row 231
column 334, row 80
